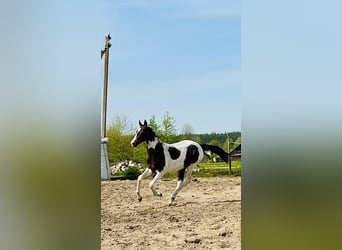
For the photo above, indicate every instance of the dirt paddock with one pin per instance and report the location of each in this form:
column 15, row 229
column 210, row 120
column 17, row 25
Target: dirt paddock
column 206, row 215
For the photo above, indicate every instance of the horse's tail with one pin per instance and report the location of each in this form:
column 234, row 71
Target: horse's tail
column 216, row 150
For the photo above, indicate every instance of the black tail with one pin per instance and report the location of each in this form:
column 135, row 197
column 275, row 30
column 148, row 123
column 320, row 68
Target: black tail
column 216, row 150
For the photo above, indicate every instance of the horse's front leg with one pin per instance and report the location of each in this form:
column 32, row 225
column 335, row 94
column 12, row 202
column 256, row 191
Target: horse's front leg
column 154, row 181
column 146, row 173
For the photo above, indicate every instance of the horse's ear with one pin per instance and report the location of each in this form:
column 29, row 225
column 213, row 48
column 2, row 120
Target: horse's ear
column 140, row 123
column 145, row 123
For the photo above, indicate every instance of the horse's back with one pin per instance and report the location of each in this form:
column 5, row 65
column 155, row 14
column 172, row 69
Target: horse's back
column 184, row 145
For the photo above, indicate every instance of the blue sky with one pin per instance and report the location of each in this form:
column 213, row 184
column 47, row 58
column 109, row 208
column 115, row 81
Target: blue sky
column 181, row 57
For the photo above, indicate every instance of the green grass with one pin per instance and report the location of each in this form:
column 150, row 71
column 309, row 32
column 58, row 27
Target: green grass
column 213, row 169
column 206, row 169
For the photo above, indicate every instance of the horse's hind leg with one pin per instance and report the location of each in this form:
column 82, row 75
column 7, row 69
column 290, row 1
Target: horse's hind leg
column 146, row 173
column 179, row 185
column 181, row 182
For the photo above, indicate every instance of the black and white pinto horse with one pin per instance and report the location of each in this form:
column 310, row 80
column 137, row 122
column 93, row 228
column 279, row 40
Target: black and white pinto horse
column 165, row 158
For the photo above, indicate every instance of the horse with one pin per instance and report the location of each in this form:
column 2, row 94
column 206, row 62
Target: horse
column 165, row 158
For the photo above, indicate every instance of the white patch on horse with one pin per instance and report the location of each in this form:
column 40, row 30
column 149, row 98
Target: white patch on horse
column 135, row 136
column 178, row 164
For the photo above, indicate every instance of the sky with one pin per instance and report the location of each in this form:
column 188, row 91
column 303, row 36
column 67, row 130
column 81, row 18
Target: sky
column 180, row 57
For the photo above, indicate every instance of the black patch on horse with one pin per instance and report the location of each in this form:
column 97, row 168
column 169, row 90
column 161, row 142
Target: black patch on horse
column 181, row 174
column 174, row 153
column 191, row 155
column 145, row 134
column 156, row 158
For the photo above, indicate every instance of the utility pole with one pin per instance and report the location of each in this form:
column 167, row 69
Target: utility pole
column 105, row 170
column 105, row 52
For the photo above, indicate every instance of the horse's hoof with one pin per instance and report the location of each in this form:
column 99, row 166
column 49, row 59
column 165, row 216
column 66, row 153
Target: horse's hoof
column 171, row 201
column 160, row 194
column 139, row 199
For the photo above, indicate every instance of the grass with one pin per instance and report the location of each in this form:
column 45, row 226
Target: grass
column 206, row 169
column 213, row 169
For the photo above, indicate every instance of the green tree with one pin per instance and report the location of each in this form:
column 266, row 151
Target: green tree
column 225, row 145
column 238, row 140
column 168, row 129
column 187, row 129
column 188, row 133
column 118, row 145
column 122, row 124
column 236, row 143
column 119, row 137
column 214, row 142
column 140, row 154
column 153, row 124
column 232, row 143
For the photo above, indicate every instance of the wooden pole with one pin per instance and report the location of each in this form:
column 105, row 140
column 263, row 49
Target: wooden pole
column 105, row 52
column 229, row 159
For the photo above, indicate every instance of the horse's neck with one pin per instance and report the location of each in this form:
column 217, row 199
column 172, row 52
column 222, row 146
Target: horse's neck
column 152, row 144
column 155, row 160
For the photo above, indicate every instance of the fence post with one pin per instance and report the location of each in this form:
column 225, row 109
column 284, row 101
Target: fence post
column 229, row 159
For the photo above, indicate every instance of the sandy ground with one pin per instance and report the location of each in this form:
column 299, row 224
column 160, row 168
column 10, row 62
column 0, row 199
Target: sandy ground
column 206, row 215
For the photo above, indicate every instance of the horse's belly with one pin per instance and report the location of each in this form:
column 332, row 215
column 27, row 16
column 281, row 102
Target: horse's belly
column 174, row 166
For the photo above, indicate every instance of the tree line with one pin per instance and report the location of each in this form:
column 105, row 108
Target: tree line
column 121, row 131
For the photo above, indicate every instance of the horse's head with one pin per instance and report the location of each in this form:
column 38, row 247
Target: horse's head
column 143, row 133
